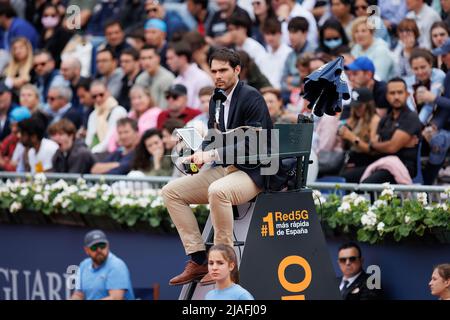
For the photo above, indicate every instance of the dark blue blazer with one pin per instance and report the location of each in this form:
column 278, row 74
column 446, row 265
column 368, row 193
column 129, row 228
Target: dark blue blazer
column 247, row 108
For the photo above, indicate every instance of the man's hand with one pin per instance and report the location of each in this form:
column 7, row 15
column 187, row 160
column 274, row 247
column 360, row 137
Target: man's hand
column 413, row 142
column 425, row 96
column 200, row 158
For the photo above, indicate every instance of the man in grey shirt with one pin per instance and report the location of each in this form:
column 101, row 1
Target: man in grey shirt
column 109, row 73
column 157, row 78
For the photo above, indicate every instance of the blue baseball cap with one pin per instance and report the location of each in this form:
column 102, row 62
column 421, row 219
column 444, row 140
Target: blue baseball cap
column 444, row 49
column 19, row 114
column 361, row 64
column 155, row 24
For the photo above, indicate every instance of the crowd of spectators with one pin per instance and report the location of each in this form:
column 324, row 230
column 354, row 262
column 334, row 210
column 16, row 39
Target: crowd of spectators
column 102, row 90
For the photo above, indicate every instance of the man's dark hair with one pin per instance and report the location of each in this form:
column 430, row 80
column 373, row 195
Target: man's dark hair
column 195, row 40
column 298, row 24
column 112, row 22
column 150, row 47
column 227, row 55
column 397, row 79
column 137, row 34
column 271, row 26
column 7, row 10
column 109, row 50
column 131, row 52
column 182, row 48
column 36, row 125
column 349, row 245
column 84, row 83
column 44, row 51
column 62, row 126
column 171, row 124
column 240, row 20
column 203, row 3
column 124, row 121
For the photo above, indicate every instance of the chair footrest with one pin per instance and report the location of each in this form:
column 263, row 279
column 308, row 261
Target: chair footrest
column 235, row 243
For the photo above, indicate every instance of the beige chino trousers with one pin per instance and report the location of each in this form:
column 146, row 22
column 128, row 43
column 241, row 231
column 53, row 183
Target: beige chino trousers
column 221, row 188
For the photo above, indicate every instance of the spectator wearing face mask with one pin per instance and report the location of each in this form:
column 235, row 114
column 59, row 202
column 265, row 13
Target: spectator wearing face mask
column 332, row 37
column 54, row 36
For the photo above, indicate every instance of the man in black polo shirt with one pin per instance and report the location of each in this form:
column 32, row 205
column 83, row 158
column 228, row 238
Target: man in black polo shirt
column 398, row 133
column 360, row 73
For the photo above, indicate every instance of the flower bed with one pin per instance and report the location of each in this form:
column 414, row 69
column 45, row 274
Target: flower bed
column 387, row 218
column 92, row 202
column 113, row 205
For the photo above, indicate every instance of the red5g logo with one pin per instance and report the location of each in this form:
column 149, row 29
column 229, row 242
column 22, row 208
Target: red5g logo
column 294, row 287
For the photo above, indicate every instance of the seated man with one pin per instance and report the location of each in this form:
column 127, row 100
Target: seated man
column 60, row 107
column 119, row 162
column 220, row 185
column 102, row 276
column 73, row 156
column 398, row 134
column 354, row 281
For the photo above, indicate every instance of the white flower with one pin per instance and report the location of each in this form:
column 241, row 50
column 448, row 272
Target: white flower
column 157, row 202
column 422, row 198
column 143, row 202
column 380, row 227
column 429, row 208
column 380, row 203
column 72, row 189
column 407, row 219
column 319, row 200
column 388, row 191
column 369, row 219
column 38, row 197
column 24, row 192
column 15, row 206
column 40, row 178
column 344, row 207
column 359, row 200
column 66, row 203
column 442, row 206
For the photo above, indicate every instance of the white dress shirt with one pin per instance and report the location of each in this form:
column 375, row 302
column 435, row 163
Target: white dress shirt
column 350, row 281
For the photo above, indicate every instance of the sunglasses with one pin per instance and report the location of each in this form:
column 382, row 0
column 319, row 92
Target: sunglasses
column 172, row 96
column 151, row 10
column 101, row 95
column 97, row 245
column 361, row 7
column 351, row 259
column 52, row 98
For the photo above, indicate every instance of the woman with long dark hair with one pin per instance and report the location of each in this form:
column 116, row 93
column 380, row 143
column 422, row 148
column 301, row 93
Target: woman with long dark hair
column 150, row 156
column 357, row 132
column 54, row 36
column 263, row 10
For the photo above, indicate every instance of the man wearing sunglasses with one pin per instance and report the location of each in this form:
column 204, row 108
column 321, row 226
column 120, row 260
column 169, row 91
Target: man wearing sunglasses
column 102, row 276
column 353, row 283
column 177, row 107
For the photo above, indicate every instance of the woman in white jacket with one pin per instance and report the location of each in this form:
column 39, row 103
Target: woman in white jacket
column 102, row 121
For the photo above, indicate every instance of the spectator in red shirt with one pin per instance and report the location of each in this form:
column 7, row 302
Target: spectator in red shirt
column 177, row 107
column 8, row 145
